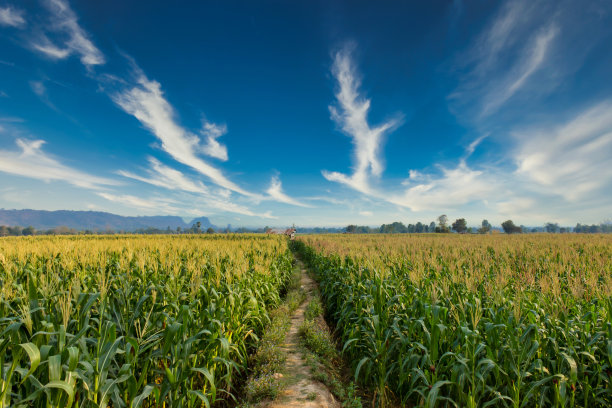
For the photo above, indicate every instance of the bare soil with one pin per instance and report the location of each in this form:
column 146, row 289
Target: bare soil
column 302, row 389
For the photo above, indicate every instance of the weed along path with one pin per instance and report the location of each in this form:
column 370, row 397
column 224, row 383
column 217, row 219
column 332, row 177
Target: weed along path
column 301, row 390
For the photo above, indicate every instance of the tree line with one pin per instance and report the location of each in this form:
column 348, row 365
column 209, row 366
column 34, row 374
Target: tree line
column 442, row 226
column 460, row 226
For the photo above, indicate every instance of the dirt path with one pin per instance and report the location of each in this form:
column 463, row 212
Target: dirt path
column 302, row 390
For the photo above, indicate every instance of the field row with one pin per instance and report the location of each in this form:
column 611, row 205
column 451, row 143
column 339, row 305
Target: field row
column 471, row 321
column 128, row 321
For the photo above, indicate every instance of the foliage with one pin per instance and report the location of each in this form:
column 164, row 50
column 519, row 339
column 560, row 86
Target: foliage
column 471, row 321
column 268, row 361
column 322, row 356
column 129, row 321
column 485, row 227
column 460, row 225
column 510, row 228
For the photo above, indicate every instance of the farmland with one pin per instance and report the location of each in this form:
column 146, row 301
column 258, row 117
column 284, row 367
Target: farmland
column 128, row 321
column 471, row 321
column 430, row 320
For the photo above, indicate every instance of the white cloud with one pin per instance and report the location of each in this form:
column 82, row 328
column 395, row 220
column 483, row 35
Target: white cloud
column 38, row 87
column 499, row 35
column 516, row 206
column 503, row 60
column 161, row 175
column 212, row 147
column 146, row 102
column 11, row 17
column 30, row 161
column 156, row 204
column 351, row 116
column 455, row 187
column 168, row 178
column 520, row 73
column 74, row 39
column 276, row 192
column 366, row 213
column 52, row 51
column 570, row 160
column 473, row 145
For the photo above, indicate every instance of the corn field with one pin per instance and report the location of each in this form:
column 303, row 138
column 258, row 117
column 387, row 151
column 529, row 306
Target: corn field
column 471, row 321
column 129, row 321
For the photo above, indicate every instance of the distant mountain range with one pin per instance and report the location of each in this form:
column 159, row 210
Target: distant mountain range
column 93, row 220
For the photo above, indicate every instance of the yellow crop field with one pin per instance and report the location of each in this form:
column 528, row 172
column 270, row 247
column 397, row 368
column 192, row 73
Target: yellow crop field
column 471, row 321
column 131, row 320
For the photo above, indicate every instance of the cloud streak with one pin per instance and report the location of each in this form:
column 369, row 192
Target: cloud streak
column 11, row 17
column 212, row 147
column 276, row 192
column 195, row 192
column 503, row 60
column 351, row 115
column 161, row 175
column 521, row 72
column 458, row 185
column 164, row 205
column 454, row 188
column 571, row 160
column 30, row 161
column 73, row 39
column 146, row 102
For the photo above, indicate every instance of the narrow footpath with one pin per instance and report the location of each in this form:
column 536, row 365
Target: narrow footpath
column 302, row 389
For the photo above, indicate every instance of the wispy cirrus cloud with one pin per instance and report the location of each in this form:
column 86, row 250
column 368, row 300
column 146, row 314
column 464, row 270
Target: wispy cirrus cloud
column 351, row 115
column 212, row 147
column 459, row 185
column 31, row 161
column 275, row 191
column 146, row 102
column 40, row 90
column 504, row 58
column 521, row 72
column 12, row 17
column 164, row 176
column 194, row 191
column 164, row 205
column 571, row 160
column 453, row 188
column 70, row 38
column 144, row 99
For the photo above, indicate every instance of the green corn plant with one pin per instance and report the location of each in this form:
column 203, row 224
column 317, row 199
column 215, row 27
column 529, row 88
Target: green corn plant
column 470, row 321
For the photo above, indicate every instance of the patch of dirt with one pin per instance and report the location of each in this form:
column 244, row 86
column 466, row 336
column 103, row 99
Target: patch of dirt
column 302, row 389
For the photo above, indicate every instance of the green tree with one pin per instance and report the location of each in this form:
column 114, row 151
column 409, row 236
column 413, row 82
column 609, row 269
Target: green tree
column 460, row 225
column 551, row 227
column 485, row 228
column 210, row 230
column 28, row 231
column 442, row 227
column 510, row 228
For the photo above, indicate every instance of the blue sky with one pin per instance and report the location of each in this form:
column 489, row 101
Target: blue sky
column 313, row 113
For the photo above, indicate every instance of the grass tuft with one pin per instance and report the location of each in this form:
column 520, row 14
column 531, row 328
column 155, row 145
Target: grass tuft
column 266, row 379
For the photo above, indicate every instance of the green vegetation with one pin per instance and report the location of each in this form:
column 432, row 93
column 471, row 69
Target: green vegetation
column 470, row 320
column 265, row 380
column 129, row 321
column 322, row 356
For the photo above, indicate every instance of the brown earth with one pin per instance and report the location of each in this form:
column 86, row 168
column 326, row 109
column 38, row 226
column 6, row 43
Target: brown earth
column 302, row 389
